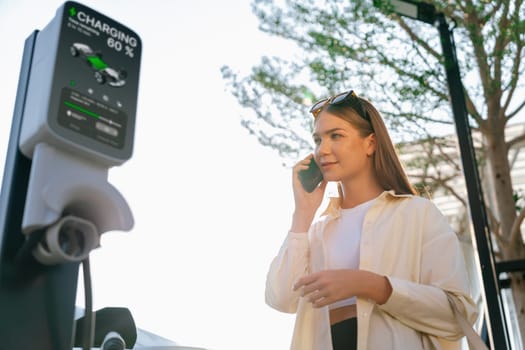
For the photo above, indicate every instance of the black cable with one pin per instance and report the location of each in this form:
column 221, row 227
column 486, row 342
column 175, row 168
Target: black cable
column 32, row 240
column 88, row 311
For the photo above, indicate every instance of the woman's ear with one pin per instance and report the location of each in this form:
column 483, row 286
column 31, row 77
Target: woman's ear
column 371, row 139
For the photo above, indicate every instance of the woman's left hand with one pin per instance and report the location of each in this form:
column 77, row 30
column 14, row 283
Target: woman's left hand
column 328, row 286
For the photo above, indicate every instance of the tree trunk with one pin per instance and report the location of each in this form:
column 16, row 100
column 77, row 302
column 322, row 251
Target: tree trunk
column 501, row 180
column 505, row 210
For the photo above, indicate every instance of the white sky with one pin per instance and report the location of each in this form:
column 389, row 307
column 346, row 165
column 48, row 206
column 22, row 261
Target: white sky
column 211, row 205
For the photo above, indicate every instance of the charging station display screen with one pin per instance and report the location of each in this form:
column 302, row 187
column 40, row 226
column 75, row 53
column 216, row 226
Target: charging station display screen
column 95, row 84
column 92, row 118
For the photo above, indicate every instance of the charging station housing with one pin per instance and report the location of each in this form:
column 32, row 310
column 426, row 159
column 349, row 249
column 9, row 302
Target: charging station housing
column 83, row 86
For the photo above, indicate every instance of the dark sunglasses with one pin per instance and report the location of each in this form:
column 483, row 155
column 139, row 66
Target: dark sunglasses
column 347, row 96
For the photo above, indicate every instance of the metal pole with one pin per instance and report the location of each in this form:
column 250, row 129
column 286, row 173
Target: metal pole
column 494, row 313
column 37, row 302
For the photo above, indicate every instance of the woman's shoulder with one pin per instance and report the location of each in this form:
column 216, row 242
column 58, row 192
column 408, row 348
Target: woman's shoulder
column 421, row 210
column 414, row 202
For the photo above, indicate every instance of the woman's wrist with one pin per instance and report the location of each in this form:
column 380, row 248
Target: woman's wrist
column 301, row 222
column 375, row 287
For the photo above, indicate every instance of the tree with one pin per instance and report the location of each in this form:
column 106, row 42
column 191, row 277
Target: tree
column 396, row 63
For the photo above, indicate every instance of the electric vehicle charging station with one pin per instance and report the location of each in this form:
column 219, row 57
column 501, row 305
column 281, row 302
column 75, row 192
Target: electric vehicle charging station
column 74, row 119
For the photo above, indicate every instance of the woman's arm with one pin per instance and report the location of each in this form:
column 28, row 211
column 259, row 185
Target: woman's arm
column 290, row 263
column 423, row 305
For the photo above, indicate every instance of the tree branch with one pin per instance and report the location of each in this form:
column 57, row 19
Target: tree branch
column 515, row 71
column 517, row 110
column 472, row 24
column 501, row 41
column 515, row 141
column 417, row 39
column 515, row 233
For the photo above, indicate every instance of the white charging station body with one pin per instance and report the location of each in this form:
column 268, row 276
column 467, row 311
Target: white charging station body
column 78, row 121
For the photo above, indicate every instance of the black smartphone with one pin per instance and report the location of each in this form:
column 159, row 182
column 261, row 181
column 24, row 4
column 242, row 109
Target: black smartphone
column 310, row 178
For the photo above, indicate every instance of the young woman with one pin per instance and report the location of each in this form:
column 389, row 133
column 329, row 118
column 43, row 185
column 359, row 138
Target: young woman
column 374, row 270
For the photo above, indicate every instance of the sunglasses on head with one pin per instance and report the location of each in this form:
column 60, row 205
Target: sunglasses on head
column 347, row 96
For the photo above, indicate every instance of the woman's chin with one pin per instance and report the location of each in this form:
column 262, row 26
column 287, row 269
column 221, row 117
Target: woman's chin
column 331, row 178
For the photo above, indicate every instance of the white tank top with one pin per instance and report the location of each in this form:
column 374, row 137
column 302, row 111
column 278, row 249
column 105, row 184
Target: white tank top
column 342, row 242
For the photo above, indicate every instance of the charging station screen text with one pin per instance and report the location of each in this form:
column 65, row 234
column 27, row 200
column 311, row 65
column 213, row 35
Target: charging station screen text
column 92, row 118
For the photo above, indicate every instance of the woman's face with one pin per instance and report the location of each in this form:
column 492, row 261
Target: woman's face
column 341, row 152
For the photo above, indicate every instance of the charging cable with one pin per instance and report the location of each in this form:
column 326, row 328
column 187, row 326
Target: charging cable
column 113, row 341
column 88, row 312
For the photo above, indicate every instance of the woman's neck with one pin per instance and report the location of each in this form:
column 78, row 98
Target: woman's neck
column 354, row 194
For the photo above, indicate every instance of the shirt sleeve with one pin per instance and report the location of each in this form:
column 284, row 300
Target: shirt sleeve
column 423, row 305
column 289, row 265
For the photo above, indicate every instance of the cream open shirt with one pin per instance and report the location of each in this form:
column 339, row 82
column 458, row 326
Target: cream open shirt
column 405, row 238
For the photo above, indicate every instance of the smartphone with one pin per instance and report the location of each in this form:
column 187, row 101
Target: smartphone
column 310, row 178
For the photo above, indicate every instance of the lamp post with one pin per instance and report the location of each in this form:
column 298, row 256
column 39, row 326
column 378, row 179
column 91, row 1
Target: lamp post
column 494, row 313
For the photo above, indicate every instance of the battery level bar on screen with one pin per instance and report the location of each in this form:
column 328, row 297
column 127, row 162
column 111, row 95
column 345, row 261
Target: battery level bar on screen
column 81, row 109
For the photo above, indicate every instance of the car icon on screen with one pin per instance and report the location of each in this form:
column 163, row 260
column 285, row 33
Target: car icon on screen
column 103, row 73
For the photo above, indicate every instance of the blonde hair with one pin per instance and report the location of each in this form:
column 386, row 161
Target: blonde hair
column 387, row 166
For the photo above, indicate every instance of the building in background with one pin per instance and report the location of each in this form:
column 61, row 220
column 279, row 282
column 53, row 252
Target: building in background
column 428, row 163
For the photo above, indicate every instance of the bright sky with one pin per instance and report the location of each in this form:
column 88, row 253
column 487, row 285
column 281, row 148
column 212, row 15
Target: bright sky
column 211, row 205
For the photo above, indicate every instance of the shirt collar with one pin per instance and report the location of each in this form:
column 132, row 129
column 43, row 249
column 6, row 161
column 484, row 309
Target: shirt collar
column 333, row 210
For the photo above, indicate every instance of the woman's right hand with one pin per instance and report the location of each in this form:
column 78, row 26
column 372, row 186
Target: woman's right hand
column 306, row 204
